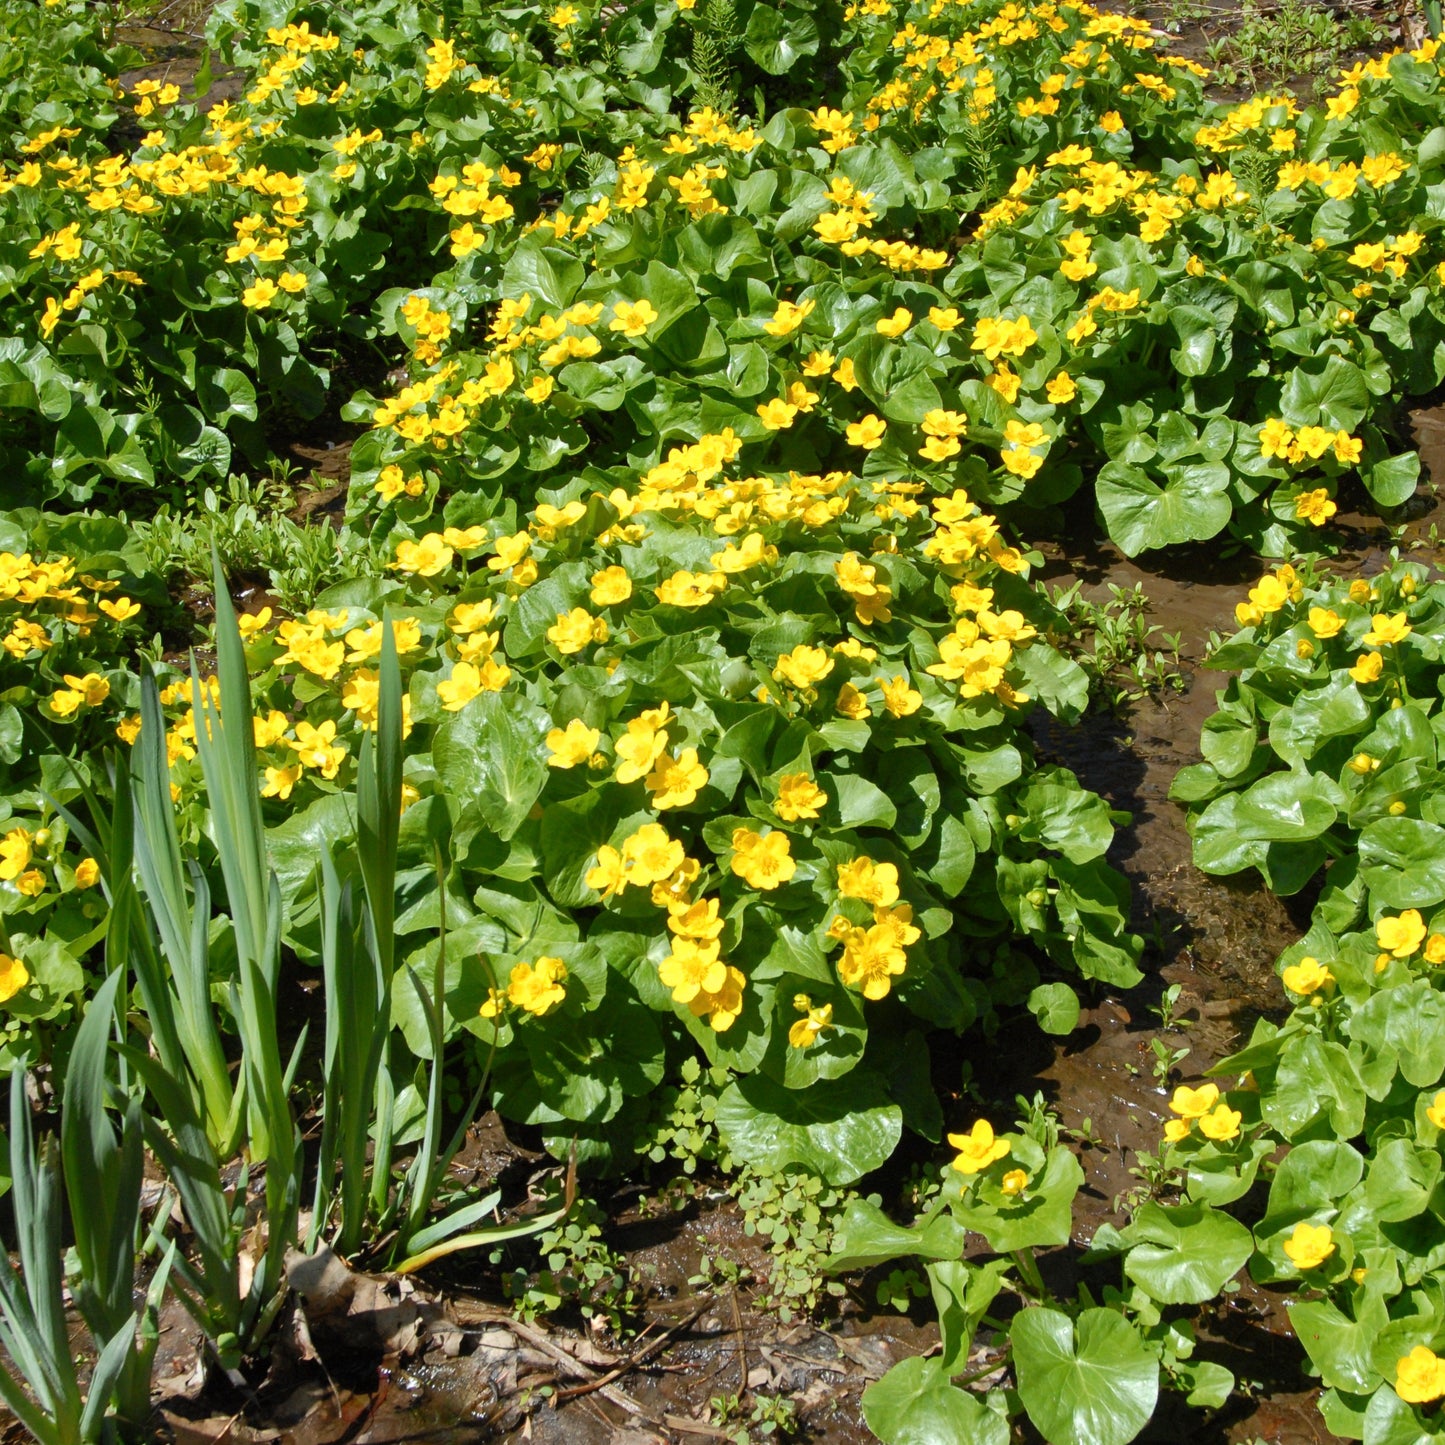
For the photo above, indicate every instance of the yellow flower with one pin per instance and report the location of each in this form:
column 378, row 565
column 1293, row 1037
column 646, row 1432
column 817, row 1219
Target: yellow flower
column 788, row 317
column 700, row 919
column 896, row 324
column 538, row 987
column 573, row 630
column 259, row 295
column 1402, row 935
column 87, row 873
column 121, row 609
column 1014, row 1182
column 572, row 745
column 1386, row 630
column 1420, row 1376
column 1221, row 1123
column 632, row 318
column 875, row 883
column 1308, row 976
column 867, row 432
column 470, row 617
column 1435, row 948
column 852, row 704
column 763, row 861
column 1061, row 389
column 803, row 667
column 13, row 977
column 995, row 336
column 722, row 1006
column 1324, row 622
column 650, row 855
column 1176, row 1129
column 674, row 781
column 945, row 318
column 31, row 883
column 1315, row 507
column 610, row 587
column 692, row 968
column 609, row 874
column 799, row 797
column 804, row 1033
column 777, row 414
column 316, row 747
column 465, row 683
column 640, row 747
column 1194, row 1103
column 1310, row 1245
column 978, row 1148
column 1368, row 667
column 424, row 558
column 899, row 697
column 281, row 781
column 1435, row 1112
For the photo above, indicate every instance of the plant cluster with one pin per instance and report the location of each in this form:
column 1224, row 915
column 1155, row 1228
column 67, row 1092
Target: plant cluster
column 649, row 749
column 1330, row 729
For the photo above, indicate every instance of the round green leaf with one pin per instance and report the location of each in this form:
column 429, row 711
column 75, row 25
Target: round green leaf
column 1092, row 1383
column 840, row 1129
column 914, row 1404
column 1056, row 1007
column 1187, row 1252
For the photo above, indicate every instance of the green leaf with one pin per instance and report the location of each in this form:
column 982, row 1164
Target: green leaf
column 1089, row 1382
column 1056, row 1007
column 1192, row 506
column 490, row 760
column 1339, row 1347
column 1041, row 1216
column 861, row 804
column 1402, row 862
column 1325, row 391
column 1186, row 1252
column 1390, row 1421
column 962, row 1293
column 1285, row 808
column 865, row 1236
column 548, row 274
column 914, row 1404
column 1410, row 1020
column 840, row 1129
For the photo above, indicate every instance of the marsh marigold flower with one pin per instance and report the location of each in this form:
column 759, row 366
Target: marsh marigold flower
column 1194, row 1103
column 799, row 797
column 978, row 1148
column 762, row 861
column 570, row 746
column 538, row 987
column 13, row 977
column 1308, row 976
column 1310, row 1245
column 1402, row 935
column 1420, row 1376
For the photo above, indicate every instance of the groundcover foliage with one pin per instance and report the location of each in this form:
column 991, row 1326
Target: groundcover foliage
column 714, row 364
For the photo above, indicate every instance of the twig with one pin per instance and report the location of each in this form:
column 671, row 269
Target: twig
column 570, row 1363
column 742, row 1345
column 694, row 1427
column 634, row 1361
